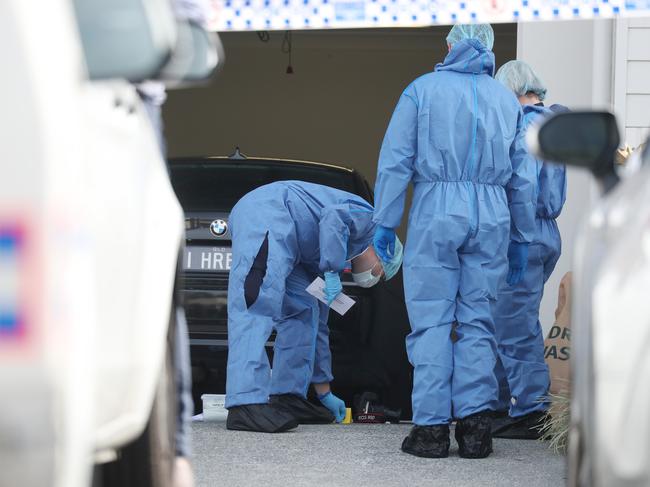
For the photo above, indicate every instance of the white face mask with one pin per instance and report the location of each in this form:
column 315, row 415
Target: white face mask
column 365, row 278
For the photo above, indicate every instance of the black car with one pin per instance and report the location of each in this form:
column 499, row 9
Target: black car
column 368, row 350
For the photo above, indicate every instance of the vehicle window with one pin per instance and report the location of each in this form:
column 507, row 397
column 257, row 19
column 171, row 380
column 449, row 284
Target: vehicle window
column 219, row 186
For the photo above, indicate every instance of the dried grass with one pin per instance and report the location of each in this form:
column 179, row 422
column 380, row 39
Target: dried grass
column 555, row 428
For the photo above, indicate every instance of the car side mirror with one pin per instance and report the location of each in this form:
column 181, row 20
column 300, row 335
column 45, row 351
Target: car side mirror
column 198, row 54
column 128, row 39
column 581, row 139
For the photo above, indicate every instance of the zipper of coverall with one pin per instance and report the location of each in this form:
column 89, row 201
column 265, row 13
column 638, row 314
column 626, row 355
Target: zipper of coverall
column 472, row 193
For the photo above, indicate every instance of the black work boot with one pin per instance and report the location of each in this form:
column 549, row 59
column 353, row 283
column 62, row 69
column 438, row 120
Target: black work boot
column 527, row 427
column 265, row 418
column 428, row 441
column 499, row 420
column 474, row 435
column 303, row 410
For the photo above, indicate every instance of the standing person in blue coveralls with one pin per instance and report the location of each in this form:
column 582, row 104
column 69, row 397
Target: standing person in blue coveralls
column 284, row 235
column 456, row 134
column 522, row 372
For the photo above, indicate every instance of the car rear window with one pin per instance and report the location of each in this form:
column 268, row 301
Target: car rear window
column 210, row 186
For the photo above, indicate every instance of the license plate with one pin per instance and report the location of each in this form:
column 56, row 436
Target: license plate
column 207, row 259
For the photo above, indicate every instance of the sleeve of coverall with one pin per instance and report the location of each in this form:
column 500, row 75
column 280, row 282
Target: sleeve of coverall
column 522, row 189
column 333, row 237
column 556, row 174
column 396, row 157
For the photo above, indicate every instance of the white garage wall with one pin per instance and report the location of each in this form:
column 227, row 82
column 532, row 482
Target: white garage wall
column 575, row 60
column 632, row 80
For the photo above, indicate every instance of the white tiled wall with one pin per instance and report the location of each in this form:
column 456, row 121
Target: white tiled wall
column 632, row 78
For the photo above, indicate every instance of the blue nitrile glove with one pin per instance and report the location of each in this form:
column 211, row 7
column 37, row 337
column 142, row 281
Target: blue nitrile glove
column 332, row 286
column 384, row 242
column 518, row 261
column 334, row 404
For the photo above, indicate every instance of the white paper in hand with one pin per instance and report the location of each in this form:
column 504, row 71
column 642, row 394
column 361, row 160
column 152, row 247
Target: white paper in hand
column 341, row 304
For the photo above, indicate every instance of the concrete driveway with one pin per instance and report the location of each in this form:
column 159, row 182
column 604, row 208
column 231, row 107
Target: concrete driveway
column 359, row 455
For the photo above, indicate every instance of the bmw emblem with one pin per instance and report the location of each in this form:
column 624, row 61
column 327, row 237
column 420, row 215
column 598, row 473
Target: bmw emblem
column 218, row 228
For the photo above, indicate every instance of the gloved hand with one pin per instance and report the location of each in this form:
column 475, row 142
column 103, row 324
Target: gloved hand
column 384, row 242
column 518, row 261
column 332, row 286
column 334, row 404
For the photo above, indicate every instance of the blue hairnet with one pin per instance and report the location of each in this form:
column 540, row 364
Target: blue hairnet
column 481, row 32
column 521, row 79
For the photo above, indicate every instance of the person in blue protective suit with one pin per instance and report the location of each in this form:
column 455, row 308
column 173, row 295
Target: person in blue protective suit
column 284, row 235
column 456, row 134
column 521, row 370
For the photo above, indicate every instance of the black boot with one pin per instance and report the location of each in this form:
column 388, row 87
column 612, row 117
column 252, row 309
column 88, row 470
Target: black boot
column 265, row 418
column 428, row 441
column 303, row 410
column 527, row 427
column 474, row 435
column 499, row 420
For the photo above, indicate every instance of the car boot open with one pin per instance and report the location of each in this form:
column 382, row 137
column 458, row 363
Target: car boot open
column 527, row 427
column 428, row 441
column 474, row 435
column 304, row 411
column 264, row 418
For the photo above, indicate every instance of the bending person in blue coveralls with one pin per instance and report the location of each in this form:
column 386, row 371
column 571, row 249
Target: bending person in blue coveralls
column 456, row 134
column 284, row 235
column 522, row 372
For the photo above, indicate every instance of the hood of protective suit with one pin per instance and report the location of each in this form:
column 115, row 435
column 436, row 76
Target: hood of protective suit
column 557, row 108
column 468, row 56
column 532, row 111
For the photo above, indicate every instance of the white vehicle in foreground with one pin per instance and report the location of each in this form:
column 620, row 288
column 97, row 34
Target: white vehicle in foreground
column 90, row 234
column 609, row 442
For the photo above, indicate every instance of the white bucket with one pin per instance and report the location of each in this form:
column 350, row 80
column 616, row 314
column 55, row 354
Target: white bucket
column 214, row 407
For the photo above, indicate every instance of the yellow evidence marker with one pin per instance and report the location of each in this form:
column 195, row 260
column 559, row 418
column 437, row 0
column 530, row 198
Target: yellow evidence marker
column 348, row 416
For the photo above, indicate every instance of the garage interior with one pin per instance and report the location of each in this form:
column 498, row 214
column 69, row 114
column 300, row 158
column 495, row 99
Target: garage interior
column 333, row 108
